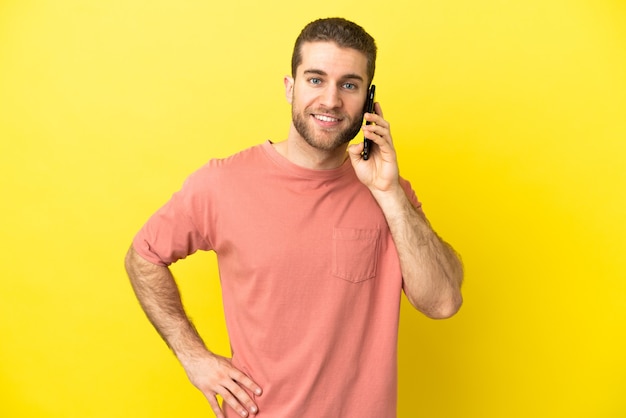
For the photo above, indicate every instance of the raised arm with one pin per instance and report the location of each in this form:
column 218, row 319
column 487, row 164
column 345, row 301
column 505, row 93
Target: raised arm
column 213, row 375
column 432, row 271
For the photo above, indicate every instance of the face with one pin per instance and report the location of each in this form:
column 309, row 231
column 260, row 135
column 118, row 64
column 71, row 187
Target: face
column 327, row 94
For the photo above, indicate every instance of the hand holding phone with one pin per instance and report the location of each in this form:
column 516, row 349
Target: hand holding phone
column 369, row 108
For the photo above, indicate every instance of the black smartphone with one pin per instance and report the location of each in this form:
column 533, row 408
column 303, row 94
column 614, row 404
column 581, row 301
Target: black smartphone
column 369, row 108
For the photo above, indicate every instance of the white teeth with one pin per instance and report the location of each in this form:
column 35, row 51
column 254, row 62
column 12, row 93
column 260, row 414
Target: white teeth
column 325, row 118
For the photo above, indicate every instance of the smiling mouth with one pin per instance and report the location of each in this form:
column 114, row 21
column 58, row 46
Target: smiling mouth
column 325, row 118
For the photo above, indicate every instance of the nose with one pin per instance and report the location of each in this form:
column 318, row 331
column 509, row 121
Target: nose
column 331, row 97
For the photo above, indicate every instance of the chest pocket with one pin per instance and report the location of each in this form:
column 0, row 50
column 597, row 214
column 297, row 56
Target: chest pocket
column 355, row 253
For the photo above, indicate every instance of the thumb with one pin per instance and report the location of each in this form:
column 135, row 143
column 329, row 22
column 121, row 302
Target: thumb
column 355, row 151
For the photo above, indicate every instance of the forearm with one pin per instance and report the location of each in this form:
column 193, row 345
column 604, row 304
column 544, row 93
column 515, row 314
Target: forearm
column 160, row 299
column 432, row 271
column 213, row 375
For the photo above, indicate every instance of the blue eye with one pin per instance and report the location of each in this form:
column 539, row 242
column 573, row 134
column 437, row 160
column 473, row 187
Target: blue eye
column 315, row 81
column 349, row 86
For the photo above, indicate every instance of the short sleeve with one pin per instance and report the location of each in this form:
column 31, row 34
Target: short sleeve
column 410, row 193
column 172, row 232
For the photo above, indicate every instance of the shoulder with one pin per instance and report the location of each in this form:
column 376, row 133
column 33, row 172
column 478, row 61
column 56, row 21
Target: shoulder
column 239, row 164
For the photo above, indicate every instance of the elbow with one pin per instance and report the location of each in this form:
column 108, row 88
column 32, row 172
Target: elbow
column 448, row 308
column 444, row 308
column 450, row 301
column 130, row 261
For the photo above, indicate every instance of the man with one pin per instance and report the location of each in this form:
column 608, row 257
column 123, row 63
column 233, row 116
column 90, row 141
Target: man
column 315, row 245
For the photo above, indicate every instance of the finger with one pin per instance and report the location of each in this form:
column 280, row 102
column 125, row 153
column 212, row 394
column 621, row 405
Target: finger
column 355, row 150
column 384, row 142
column 215, row 406
column 248, row 383
column 236, row 386
column 380, row 127
column 233, row 401
column 378, row 109
column 378, row 120
column 243, row 397
column 375, row 133
column 245, row 381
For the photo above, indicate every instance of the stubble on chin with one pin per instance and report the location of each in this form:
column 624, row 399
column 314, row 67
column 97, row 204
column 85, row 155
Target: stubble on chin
column 302, row 123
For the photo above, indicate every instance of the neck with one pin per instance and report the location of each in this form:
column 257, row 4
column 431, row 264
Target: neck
column 299, row 152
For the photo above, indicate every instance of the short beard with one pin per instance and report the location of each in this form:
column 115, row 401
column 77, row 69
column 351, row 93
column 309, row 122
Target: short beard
column 341, row 138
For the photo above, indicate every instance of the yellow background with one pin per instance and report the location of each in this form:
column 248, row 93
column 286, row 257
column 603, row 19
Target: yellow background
column 509, row 119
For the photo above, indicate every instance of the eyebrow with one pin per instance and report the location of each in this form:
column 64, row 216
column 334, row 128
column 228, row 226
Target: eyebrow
column 345, row 77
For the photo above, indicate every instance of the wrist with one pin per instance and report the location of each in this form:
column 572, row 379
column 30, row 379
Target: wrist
column 186, row 342
column 189, row 357
column 391, row 200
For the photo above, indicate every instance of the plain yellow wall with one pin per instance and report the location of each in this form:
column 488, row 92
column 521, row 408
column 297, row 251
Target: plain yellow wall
column 509, row 119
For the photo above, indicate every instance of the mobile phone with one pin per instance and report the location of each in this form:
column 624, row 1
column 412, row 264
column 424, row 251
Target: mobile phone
column 369, row 108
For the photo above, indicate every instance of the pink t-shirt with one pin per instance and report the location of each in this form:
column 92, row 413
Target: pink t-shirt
column 310, row 277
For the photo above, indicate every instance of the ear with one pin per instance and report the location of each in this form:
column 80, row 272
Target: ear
column 289, row 88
